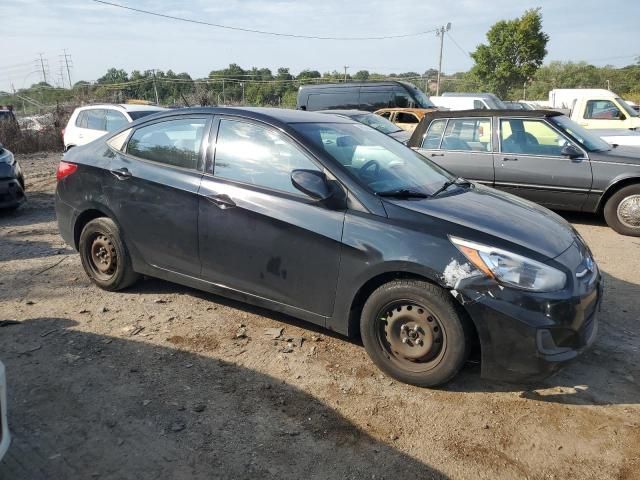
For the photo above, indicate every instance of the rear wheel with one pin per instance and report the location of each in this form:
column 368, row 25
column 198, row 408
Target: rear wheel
column 413, row 332
column 104, row 255
column 622, row 211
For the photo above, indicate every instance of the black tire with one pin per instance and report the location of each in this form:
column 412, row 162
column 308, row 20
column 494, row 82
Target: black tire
column 428, row 313
column 622, row 211
column 104, row 255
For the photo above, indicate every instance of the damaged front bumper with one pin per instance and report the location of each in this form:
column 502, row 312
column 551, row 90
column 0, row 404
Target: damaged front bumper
column 527, row 335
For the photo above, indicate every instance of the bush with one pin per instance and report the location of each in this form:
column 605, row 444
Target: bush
column 28, row 141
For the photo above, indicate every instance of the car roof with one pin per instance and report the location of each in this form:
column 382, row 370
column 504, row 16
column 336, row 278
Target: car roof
column 269, row 115
column 356, row 84
column 346, row 113
column 424, row 123
column 127, row 107
column 406, row 109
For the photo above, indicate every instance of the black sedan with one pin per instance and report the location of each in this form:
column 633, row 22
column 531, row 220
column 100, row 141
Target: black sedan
column 374, row 121
column 11, row 181
column 539, row 155
column 336, row 223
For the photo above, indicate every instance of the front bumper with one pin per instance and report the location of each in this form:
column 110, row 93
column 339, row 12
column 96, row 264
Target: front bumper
column 5, row 438
column 526, row 336
column 11, row 193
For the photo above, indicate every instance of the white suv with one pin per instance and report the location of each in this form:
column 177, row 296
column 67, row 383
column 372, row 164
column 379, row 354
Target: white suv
column 93, row 121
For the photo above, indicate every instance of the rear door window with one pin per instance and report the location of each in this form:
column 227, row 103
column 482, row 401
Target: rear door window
column 115, row 120
column 470, row 134
column 328, row 101
column 258, row 155
column 372, row 98
column 81, row 120
column 95, row 119
column 403, row 117
column 433, row 136
column 173, row 142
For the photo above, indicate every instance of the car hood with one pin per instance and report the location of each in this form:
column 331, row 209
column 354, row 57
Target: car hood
column 620, row 154
column 501, row 215
column 401, row 135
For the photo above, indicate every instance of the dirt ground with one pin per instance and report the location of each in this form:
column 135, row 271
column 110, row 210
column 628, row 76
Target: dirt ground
column 162, row 381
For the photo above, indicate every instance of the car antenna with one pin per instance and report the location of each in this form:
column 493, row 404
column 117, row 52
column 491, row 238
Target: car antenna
column 184, row 99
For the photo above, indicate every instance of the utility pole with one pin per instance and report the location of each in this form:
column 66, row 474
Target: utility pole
column 242, row 85
column 608, row 85
column 345, row 72
column 44, row 75
column 224, row 99
column 155, row 88
column 67, row 58
column 440, row 33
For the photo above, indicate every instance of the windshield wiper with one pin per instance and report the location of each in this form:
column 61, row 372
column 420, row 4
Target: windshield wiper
column 448, row 183
column 402, row 193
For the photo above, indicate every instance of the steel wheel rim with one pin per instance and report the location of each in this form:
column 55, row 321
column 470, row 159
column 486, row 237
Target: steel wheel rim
column 411, row 335
column 102, row 256
column 629, row 211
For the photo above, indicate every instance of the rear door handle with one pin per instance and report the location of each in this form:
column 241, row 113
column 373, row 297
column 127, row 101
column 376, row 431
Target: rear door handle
column 122, row 173
column 509, row 159
column 437, row 154
column 223, row 201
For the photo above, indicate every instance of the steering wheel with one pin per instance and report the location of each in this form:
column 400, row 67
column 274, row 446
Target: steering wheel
column 372, row 165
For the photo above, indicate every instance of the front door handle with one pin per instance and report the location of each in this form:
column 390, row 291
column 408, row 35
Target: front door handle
column 437, row 154
column 122, row 173
column 222, row 200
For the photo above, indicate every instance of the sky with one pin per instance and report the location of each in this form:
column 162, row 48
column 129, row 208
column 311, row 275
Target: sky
column 98, row 37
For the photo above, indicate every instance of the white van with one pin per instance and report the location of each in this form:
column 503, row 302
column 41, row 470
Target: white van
column 468, row 101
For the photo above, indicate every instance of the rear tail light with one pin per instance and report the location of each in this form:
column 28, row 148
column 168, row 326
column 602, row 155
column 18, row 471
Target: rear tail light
column 65, row 169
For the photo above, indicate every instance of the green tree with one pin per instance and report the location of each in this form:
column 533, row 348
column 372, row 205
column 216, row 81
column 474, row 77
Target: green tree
column 113, row 75
column 515, row 51
column 361, row 75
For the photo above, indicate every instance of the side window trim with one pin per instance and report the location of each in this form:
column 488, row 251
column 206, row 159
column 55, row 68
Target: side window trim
column 309, row 155
column 201, row 157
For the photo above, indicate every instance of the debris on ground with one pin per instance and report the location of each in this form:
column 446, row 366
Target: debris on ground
column 274, row 333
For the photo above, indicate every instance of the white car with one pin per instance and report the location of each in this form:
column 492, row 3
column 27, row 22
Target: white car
column 5, row 438
column 628, row 138
column 93, row 121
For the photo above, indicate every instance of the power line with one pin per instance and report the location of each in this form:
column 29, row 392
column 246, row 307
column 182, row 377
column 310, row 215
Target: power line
column 261, row 32
column 458, row 45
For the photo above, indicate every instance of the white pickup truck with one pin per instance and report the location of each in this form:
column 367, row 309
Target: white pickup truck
column 595, row 108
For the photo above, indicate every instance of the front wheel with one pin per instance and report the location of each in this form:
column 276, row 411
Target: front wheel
column 622, row 211
column 412, row 331
column 104, row 255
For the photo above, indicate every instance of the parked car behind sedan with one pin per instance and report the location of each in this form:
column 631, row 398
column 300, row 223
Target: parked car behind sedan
column 540, row 155
column 333, row 222
column 5, row 437
column 405, row 118
column 375, row 121
column 628, row 138
column 11, row 181
column 93, row 121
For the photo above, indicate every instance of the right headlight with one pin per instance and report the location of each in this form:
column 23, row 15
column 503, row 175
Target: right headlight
column 510, row 268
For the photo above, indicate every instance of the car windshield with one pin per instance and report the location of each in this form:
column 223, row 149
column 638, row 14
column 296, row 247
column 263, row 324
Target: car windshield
column 627, row 108
column 375, row 160
column 376, row 121
column 136, row 114
column 590, row 141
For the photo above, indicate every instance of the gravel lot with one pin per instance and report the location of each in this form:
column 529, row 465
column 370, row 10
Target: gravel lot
column 163, row 381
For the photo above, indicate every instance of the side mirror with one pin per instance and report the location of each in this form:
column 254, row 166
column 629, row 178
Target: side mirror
column 570, row 151
column 312, row 183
